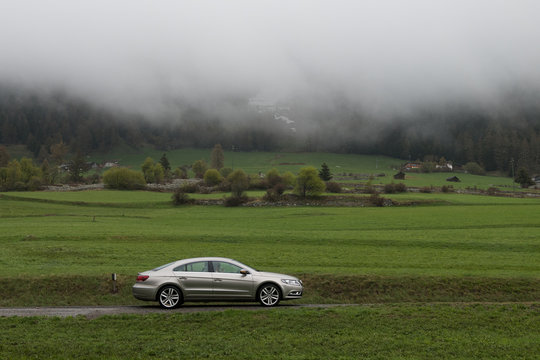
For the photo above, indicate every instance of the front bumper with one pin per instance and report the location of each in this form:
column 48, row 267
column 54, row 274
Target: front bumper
column 292, row 292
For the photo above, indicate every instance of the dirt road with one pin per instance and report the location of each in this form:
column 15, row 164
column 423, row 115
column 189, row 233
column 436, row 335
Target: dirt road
column 97, row 311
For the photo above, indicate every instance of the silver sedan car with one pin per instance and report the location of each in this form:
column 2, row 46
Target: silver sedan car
column 214, row 279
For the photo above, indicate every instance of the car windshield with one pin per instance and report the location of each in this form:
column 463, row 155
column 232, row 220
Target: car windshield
column 162, row 266
column 247, row 267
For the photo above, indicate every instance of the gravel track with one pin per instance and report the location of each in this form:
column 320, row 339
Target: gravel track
column 92, row 312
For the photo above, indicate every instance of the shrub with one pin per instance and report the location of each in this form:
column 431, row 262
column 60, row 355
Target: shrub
column 271, row 196
column 190, row 188
column 226, row 171
column 274, row 194
column 376, row 200
column 123, row 179
column 180, row 198
column 212, row 177
column 400, row 188
column 34, row 183
column 224, row 186
column 279, row 189
column 523, row 178
column 152, row 172
column 492, row 191
column 256, row 183
column 309, row 183
column 426, row 189
column 180, row 173
column 199, row 167
column 273, row 178
column 235, row 201
column 474, row 168
column 333, row 187
column 239, row 182
column 447, row 188
column 288, row 179
column 389, row 189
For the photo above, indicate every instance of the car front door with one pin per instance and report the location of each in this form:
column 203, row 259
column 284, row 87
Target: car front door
column 229, row 283
column 195, row 279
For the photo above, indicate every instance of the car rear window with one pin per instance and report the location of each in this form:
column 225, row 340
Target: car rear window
column 199, row 266
column 162, row 267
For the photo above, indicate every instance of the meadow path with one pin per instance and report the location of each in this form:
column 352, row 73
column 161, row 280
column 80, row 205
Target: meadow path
column 97, row 311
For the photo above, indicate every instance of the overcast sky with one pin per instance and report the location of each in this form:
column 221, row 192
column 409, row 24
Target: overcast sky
column 377, row 54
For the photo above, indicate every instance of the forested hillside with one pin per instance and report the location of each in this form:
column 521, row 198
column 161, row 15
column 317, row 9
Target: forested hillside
column 490, row 136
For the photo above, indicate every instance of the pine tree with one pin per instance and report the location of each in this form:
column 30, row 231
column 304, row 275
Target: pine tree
column 325, row 173
column 165, row 162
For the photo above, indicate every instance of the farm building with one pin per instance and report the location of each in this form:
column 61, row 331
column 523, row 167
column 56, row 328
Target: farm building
column 412, row 166
column 453, row 179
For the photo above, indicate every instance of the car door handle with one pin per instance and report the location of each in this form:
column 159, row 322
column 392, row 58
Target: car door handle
column 217, row 280
column 182, row 278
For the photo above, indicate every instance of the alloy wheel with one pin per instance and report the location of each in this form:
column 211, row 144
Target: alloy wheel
column 169, row 297
column 269, row 295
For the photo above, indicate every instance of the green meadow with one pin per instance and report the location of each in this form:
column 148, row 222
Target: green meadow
column 97, row 232
column 260, row 162
column 455, row 276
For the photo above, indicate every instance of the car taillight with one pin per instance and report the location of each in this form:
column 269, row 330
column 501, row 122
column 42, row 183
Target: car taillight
column 142, row 277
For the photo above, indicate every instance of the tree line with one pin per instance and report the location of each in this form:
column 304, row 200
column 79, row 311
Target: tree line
column 498, row 139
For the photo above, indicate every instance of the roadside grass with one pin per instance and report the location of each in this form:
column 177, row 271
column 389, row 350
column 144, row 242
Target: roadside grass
column 436, row 331
column 91, row 290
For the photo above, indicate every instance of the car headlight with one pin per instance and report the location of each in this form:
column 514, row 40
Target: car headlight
column 291, row 282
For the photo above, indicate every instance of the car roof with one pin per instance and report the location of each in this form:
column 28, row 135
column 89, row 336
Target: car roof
column 208, row 258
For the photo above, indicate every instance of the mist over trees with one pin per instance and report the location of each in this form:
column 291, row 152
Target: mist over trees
column 490, row 135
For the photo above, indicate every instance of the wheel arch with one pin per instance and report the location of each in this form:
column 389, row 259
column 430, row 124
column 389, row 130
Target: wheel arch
column 156, row 296
column 267, row 282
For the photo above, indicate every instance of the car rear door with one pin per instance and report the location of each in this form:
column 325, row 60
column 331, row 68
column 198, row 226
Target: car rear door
column 195, row 279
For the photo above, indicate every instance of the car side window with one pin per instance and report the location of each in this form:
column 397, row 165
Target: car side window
column 224, row 267
column 199, row 266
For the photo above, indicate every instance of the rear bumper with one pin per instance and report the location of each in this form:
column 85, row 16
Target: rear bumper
column 144, row 292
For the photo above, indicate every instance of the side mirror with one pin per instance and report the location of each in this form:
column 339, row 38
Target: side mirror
column 244, row 272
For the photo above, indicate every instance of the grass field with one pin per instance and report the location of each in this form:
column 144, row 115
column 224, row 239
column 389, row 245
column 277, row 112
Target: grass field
column 367, row 332
column 60, row 249
column 476, row 236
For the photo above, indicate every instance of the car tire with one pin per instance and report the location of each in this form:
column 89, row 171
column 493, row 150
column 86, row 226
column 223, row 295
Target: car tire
column 269, row 295
column 170, row 297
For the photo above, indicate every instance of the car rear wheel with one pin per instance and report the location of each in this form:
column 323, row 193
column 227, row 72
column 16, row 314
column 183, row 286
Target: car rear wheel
column 269, row 295
column 170, row 297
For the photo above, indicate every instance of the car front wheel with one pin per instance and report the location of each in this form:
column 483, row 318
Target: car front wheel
column 170, row 297
column 269, row 295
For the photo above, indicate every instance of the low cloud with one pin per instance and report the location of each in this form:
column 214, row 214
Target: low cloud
column 378, row 57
